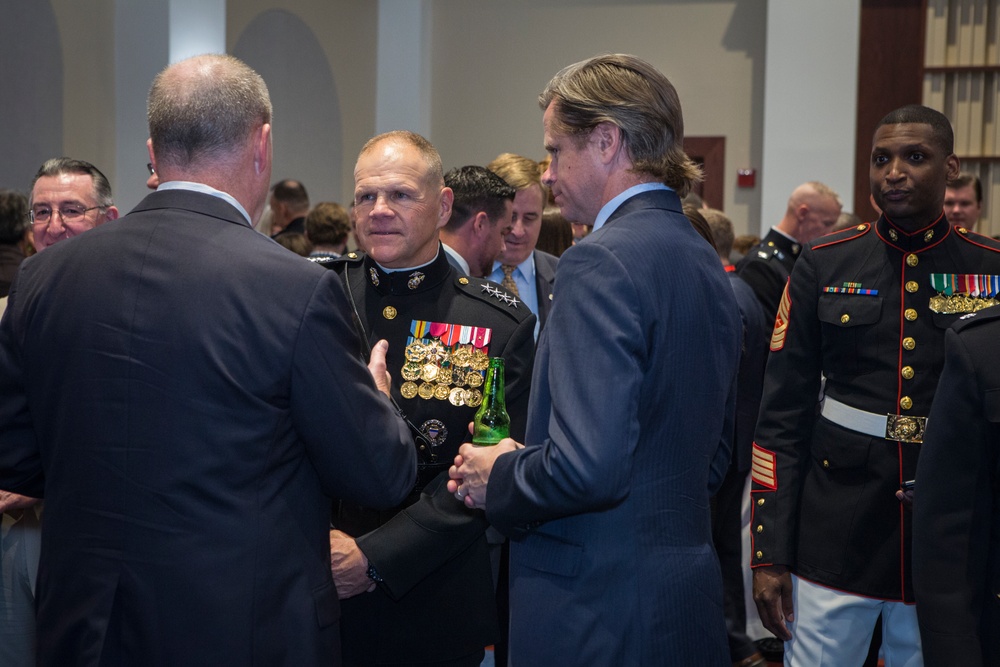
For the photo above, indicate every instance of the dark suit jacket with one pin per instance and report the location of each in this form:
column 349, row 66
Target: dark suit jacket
column 629, row 428
column 191, row 393
column 750, row 383
column 956, row 540
column 10, row 258
column 545, row 279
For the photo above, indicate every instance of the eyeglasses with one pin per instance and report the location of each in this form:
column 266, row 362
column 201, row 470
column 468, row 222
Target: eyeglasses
column 71, row 213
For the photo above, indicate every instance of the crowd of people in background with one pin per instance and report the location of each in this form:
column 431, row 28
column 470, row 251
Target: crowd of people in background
column 215, row 452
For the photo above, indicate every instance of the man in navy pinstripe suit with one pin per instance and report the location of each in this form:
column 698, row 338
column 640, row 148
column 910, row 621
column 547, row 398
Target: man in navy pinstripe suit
column 630, row 418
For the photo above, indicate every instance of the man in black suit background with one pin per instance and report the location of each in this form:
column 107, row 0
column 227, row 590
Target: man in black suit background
column 523, row 270
column 186, row 418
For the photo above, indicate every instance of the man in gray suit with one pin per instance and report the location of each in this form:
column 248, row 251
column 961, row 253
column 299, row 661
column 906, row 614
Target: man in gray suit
column 523, row 270
column 631, row 414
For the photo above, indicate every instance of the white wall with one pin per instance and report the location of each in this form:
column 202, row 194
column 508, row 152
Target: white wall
column 491, row 60
column 810, row 100
column 466, row 73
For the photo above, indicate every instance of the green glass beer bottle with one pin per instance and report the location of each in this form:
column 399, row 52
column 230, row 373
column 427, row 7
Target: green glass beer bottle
column 492, row 423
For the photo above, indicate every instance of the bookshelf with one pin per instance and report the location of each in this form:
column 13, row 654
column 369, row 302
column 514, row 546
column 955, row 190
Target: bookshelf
column 961, row 78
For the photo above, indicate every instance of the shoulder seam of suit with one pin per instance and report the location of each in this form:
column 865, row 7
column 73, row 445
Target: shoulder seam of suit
column 836, row 238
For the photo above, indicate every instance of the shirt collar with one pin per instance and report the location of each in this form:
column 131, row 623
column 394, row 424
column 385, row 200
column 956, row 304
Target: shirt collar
column 527, row 267
column 457, row 257
column 613, row 205
column 208, row 190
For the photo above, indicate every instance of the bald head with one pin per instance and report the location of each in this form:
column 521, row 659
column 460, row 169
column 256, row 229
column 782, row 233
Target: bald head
column 813, row 209
column 405, row 138
column 204, row 109
column 209, row 122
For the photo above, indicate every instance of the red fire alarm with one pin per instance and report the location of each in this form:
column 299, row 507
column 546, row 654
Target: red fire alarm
column 746, row 178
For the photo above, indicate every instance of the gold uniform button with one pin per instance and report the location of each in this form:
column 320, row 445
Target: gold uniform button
column 463, row 281
column 759, row 555
column 352, row 255
column 910, row 314
column 760, row 501
column 907, row 372
column 826, row 463
column 845, row 318
column 906, row 403
column 912, row 286
column 389, row 313
column 911, row 260
column 760, row 529
column 909, row 343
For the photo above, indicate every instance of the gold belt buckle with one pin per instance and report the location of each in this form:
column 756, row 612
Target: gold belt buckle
column 905, row 429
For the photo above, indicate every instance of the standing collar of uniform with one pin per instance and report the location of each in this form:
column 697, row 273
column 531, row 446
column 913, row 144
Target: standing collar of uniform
column 208, row 190
column 776, row 238
column 620, row 199
column 408, row 281
column 921, row 239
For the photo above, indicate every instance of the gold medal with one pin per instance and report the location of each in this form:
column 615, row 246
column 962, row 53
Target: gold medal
column 408, row 390
column 441, row 392
column 474, row 379
column 415, row 352
column 426, row 391
column 429, row 372
column 479, row 360
column 461, row 357
column 444, row 375
column 389, row 313
column 473, row 398
column 457, row 397
column 411, row 371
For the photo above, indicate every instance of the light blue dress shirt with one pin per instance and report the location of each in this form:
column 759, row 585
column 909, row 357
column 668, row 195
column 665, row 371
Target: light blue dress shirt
column 524, row 278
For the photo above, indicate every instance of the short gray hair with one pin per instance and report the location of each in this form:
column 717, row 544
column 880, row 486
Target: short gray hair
column 64, row 165
column 205, row 108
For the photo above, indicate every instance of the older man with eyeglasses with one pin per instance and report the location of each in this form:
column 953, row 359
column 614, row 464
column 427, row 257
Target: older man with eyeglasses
column 68, row 197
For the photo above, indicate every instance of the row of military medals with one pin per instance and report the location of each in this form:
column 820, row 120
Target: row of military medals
column 454, row 376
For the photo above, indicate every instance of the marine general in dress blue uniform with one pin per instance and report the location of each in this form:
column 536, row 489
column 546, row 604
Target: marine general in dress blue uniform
column 418, row 577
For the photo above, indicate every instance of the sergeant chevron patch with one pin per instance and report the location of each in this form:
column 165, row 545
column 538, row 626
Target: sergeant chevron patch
column 762, row 467
column 781, row 321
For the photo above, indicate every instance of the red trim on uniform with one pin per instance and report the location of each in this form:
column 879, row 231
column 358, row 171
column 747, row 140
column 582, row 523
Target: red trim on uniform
column 730, row 268
column 965, row 237
column 763, row 467
column 948, row 230
column 867, row 227
column 902, row 324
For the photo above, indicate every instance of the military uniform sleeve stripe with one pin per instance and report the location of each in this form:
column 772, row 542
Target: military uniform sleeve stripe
column 762, row 467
